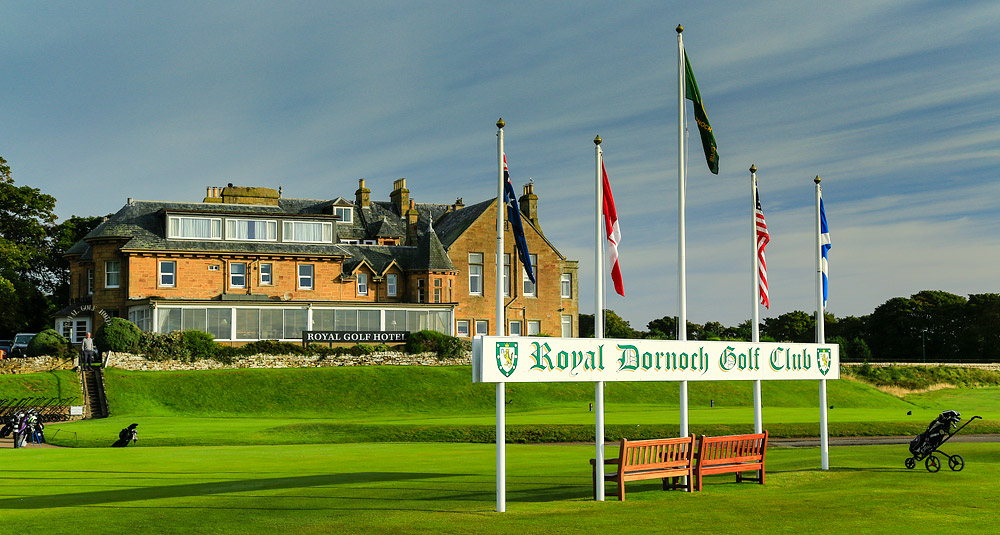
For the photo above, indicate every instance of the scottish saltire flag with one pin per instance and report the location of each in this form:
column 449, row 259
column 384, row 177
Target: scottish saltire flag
column 763, row 237
column 614, row 233
column 825, row 245
column 514, row 216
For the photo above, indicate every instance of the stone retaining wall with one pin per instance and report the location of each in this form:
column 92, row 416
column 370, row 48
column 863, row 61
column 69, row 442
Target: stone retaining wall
column 127, row 361
column 34, row 365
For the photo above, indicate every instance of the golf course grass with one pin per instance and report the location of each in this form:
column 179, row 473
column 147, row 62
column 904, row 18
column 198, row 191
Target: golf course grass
column 450, row 488
column 441, row 404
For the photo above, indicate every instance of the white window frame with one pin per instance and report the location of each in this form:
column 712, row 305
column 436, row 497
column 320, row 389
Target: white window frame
column 271, row 227
column 90, row 281
column 506, row 274
column 108, row 272
column 346, row 213
column 566, row 285
column 232, row 274
column 514, row 329
column 310, row 278
column 476, row 259
column 566, row 322
column 485, row 330
column 362, row 284
column 266, row 274
column 214, row 228
column 526, row 282
column 462, row 328
column 172, row 273
column 348, row 241
column 534, row 327
column 391, row 285
column 288, row 231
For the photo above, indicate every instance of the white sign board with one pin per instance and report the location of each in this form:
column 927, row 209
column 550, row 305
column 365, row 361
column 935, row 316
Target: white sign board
column 499, row 359
column 76, row 410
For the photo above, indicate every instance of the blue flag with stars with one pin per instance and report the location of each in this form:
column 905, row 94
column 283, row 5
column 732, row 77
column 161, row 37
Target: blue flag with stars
column 514, row 216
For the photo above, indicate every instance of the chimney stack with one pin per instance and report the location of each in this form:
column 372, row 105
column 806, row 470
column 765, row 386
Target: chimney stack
column 529, row 203
column 400, row 196
column 362, row 197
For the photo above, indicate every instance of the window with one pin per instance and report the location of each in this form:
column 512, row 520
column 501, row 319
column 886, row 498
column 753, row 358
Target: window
column 530, row 288
column 462, row 328
column 421, row 291
column 247, row 323
column 566, row 285
column 567, row 326
column 506, row 274
column 482, row 327
column 218, row 323
column 251, row 229
column 194, row 319
column 390, row 285
column 322, row 319
column 112, row 273
column 169, row 319
column 295, row 323
column 515, row 328
column 265, row 275
column 347, row 241
column 534, row 327
column 437, row 290
column 362, row 284
column 346, row 213
column 90, row 282
column 142, row 317
column 271, row 324
column 194, row 228
column 75, row 330
column 369, row 320
column 395, row 320
column 238, row 275
column 308, row 231
column 475, row 273
column 168, row 273
column 305, row 276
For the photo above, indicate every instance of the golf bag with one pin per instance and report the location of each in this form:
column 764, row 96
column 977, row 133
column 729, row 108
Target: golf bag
column 937, row 432
column 129, row 434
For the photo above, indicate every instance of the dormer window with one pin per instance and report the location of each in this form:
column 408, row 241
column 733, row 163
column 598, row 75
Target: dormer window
column 251, row 229
column 194, row 228
column 307, row 232
column 346, row 213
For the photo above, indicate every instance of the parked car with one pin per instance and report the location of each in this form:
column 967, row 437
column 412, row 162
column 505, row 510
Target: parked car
column 5, row 348
column 20, row 346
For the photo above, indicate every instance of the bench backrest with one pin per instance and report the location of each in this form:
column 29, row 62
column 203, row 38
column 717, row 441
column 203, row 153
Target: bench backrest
column 732, row 449
column 655, row 454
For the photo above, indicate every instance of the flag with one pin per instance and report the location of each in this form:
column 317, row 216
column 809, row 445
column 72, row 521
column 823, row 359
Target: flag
column 707, row 138
column 825, row 245
column 613, row 232
column 514, row 216
column 762, row 239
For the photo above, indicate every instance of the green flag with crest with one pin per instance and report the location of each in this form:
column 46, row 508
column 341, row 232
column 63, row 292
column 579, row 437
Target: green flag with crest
column 707, row 138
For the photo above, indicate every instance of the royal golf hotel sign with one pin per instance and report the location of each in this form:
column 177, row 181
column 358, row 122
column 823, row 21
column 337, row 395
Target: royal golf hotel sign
column 498, row 359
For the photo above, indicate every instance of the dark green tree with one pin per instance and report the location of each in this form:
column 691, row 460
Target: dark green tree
column 795, row 326
column 61, row 237
column 26, row 214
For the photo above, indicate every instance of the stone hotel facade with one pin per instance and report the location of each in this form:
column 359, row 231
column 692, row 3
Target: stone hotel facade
column 247, row 264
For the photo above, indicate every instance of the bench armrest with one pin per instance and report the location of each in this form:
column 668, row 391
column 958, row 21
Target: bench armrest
column 606, row 461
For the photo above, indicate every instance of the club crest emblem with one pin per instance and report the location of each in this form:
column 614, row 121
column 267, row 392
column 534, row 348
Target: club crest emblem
column 506, row 357
column 824, row 359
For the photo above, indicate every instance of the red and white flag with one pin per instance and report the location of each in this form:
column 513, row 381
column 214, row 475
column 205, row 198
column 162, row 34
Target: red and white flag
column 614, row 233
column 762, row 239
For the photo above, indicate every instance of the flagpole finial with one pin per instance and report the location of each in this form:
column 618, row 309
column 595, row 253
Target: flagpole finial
column 680, row 28
column 500, row 123
column 598, row 140
column 753, row 168
column 817, row 179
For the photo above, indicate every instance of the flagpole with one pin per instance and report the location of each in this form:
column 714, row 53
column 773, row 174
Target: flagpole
column 599, row 321
column 501, row 435
column 758, row 421
column 824, row 437
column 681, row 230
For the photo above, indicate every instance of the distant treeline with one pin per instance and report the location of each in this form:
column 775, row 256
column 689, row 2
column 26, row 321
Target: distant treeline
column 929, row 326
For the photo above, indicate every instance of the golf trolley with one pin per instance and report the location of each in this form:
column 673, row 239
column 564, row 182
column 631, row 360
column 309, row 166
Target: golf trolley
column 926, row 444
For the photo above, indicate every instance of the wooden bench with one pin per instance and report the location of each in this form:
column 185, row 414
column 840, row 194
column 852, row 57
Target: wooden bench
column 732, row 453
column 650, row 459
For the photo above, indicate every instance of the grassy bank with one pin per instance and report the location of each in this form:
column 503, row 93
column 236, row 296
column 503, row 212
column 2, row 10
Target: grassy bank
column 53, row 384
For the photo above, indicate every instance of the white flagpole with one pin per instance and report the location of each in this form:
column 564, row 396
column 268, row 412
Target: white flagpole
column 599, row 320
column 824, row 437
column 758, row 421
column 501, row 404
column 681, row 257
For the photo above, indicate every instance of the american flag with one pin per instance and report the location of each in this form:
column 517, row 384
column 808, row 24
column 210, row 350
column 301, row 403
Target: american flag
column 762, row 238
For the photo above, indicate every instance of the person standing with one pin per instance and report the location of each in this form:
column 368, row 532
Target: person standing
column 88, row 351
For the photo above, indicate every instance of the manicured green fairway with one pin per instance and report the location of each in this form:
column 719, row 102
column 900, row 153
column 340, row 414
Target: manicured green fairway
column 449, row 488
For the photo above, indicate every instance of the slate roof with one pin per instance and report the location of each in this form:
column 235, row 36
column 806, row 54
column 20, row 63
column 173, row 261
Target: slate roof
column 141, row 226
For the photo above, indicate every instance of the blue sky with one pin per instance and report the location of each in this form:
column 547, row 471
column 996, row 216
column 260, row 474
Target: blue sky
column 895, row 105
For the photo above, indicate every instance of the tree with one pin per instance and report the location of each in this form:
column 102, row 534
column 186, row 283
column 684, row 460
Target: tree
column 795, row 326
column 664, row 328
column 61, row 238
column 26, row 214
column 614, row 326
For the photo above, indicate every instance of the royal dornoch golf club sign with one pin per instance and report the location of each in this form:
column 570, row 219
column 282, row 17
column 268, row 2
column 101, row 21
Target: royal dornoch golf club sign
column 498, row 359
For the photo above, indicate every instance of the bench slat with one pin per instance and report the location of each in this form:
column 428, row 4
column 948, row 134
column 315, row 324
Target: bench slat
column 733, row 453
